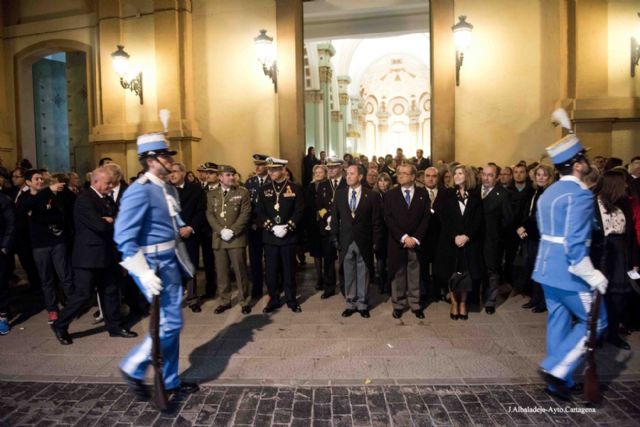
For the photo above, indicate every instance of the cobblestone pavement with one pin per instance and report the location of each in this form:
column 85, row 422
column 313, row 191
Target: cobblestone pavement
column 32, row 403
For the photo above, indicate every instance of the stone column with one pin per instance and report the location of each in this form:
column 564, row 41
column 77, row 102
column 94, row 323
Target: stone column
column 383, row 128
column 290, row 82
column 343, row 98
column 325, row 72
column 336, row 126
column 313, row 120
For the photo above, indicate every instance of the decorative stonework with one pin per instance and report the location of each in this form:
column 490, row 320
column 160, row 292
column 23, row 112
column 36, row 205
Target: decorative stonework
column 313, row 96
column 325, row 74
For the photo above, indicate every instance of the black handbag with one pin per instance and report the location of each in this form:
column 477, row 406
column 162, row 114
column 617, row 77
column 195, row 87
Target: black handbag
column 460, row 280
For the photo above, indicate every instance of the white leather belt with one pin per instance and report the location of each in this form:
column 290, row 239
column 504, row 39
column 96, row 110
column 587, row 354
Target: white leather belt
column 558, row 239
column 553, row 239
column 158, row 247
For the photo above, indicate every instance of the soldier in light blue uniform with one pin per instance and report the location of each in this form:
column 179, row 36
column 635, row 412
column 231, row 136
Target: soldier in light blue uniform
column 147, row 234
column 563, row 267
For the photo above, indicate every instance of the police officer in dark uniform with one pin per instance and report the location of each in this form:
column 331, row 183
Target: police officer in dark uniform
column 210, row 171
column 324, row 204
column 256, row 246
column 280, row 211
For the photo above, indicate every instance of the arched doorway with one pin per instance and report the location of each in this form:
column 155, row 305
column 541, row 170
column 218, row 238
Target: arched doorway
column 54, row 104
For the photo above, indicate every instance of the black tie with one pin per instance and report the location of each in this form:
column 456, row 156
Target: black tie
column 260, row 182
column 335, row 183
column 225, row 193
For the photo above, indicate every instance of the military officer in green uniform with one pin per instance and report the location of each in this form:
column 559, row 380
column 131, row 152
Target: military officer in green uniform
column 228, row 213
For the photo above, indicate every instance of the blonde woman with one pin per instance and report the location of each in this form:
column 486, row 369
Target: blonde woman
column 460, row 246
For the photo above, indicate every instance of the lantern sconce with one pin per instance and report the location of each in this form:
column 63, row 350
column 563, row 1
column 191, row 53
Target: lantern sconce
column 462, row 40
column 266, row 54
column 120, row 62
column 635, row 52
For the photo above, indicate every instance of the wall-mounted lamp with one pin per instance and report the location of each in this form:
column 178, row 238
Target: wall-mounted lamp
column 120, row 61
column 266, row 54
column 635, row 52
column 462, row 40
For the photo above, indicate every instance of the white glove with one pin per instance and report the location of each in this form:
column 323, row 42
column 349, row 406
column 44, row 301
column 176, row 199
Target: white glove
column 594, row 278
column 328, row 227
column 226, row 234
column 280, row 231
column 137, row 265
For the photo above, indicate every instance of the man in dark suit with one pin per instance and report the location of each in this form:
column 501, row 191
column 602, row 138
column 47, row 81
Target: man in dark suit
column 521, row 192
column 323, row 205
column 94, row 259
column 309, row 161
column 431, row 288
column 420, row 162
column 357, row 229
column 205, row 238
column 406, row 213
column 498, row 217
column 7, row 236
column 193, row 205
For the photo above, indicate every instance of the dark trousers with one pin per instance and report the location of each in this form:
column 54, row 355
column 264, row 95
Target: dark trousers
column 192, row 283
column 205, row 242
column 616, row 311
column 491, row 285
column 329, row 255
column 256, row 256
column 132, row 296
column 537, row 296
column 107, row 282
column 52, row 260
column 384, row 282
column 281, row 262
column 25, row 255
column 4, row 284
column 511, row 244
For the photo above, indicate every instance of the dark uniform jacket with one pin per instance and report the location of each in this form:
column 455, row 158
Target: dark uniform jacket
column 401, row 219
column 365, row 228
column 498, row 219
column 93, row 243
column 433, row 231
column 47, row 219
column 253, row 185
column 291, row 201
column 324, row 196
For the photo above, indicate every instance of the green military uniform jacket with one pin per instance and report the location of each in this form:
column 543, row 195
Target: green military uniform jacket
column 232, row 212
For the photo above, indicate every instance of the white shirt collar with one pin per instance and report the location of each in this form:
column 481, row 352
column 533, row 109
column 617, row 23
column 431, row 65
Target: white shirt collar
column 181, row 185
column 157, row 181
column 358, row 190
column 574, row 179
column 99, row 195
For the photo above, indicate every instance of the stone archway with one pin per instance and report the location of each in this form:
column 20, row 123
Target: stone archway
column 81, row 155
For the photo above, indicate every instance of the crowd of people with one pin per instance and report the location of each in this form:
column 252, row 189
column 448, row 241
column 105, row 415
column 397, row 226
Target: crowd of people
column 420, row 231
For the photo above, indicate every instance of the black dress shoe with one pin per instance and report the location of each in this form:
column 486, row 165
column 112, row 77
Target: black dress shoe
column 397, row 313
column 619, row 342
column 295, row 307
column 122, row 333
column 490, row 310
column 195, row 308
column 538, row 310
column 136, row 386
column 528, row 305
column 327, row 294
column 419, row 314
column 246, row 309
column 184, row 388
column 270, row 308
column 222, row 308
column 364, row 313
column 63, row 336
column 348, row 312
column 555, row 387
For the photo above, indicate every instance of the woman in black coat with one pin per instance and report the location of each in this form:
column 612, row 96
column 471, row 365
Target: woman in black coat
column 614, row 249
column 383, row 185
column 319, row 174
column 530, row 236
column 460, row 243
